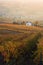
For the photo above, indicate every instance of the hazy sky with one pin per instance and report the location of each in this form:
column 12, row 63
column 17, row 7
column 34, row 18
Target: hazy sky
column 29, row 8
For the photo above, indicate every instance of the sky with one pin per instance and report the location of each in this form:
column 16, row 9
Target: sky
column 26, row 9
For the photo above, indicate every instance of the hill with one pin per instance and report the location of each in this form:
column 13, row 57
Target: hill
column 5, row 20
column 11, row 20
column 18, row 44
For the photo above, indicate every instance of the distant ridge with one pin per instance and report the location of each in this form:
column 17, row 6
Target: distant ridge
column 5, row 20
column 2, row 22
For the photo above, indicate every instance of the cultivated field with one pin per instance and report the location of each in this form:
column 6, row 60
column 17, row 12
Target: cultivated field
column 21, row 45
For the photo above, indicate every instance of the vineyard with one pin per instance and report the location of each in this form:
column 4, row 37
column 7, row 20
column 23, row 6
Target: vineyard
column 21, row 45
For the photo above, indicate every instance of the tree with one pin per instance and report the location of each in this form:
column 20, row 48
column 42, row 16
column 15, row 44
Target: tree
column 36, row 23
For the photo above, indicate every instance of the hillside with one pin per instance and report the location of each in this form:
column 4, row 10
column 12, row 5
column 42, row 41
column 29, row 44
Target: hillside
column 11, row 20
column 19, row 44
column 5, row 20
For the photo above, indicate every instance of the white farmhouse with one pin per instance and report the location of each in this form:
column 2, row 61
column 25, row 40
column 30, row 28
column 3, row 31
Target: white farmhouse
column 28, row 24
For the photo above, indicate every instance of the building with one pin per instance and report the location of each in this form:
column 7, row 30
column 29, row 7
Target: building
column 29, row 24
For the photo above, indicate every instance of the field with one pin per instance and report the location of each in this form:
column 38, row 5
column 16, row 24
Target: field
column 21, row 45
